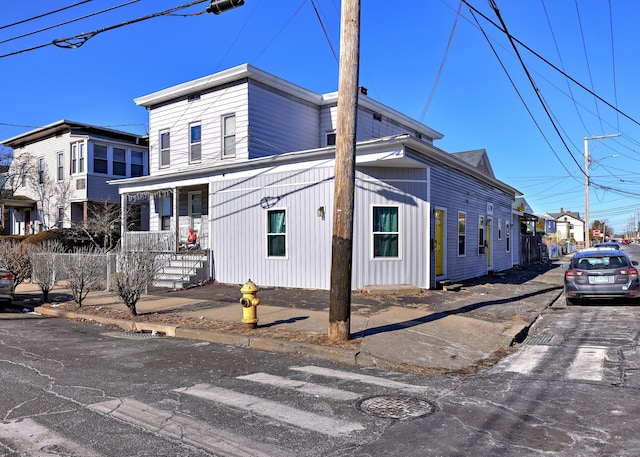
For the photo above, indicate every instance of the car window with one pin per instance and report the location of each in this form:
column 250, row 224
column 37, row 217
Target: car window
column 600, row 262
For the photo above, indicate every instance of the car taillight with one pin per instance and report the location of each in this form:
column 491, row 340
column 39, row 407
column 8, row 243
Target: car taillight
column 628, row 272
column 573, row 273
column 7, row 276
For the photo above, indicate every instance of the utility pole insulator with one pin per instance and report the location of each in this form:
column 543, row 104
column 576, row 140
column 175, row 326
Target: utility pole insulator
column 220, row 6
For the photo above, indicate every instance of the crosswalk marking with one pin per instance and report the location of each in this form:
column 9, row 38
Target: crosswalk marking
column 29, row 438
column 182, row 428
column 274, row 410
column 363, row 378
column 301, row 386
column 524, row 361
column 588, row 364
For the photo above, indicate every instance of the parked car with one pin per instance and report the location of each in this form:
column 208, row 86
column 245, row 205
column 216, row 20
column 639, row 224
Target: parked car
column 601, row 273
column 608, row 244
column 6, row 286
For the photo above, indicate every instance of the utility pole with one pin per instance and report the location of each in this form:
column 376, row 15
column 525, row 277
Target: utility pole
column 587, row 159
column 342, row 240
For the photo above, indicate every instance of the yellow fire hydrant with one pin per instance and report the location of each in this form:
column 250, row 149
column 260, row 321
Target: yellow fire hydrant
column 249, row 302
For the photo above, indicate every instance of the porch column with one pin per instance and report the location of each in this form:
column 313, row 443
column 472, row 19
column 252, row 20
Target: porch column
column 123, row 215
column 176, row 214
column 85, row 213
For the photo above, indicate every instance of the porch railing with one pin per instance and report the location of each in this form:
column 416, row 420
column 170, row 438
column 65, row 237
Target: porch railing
column 164, row 241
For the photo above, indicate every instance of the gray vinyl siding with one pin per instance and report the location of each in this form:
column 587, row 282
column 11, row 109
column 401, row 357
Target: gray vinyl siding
column 456, row 192
column 98, row 190
column 280, row 123
column 238, row 209
column 208, row 110
column 408, row 189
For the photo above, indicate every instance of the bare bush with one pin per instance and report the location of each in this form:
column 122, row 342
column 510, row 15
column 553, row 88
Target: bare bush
column 83, row 269
column 43, row 266
column 136, row 271
column 16, row 257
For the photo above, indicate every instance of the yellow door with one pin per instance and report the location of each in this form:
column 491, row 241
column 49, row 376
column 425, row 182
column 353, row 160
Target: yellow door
column 439, row 247
column 488, row 242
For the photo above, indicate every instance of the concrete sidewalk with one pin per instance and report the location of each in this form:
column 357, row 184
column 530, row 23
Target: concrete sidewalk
column 435, row 330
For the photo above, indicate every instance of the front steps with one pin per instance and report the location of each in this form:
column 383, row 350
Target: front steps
column 182, row 269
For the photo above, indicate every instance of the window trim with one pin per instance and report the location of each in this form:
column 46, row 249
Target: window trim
column 60, row 166
column 462, row 236
column 372, row 241
column 227, row 136
column 41, row 170
column 161, row 161
column 278, row 234
column 192, row 142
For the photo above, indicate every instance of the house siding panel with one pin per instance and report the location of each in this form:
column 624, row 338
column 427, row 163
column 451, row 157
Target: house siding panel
column 279, row 123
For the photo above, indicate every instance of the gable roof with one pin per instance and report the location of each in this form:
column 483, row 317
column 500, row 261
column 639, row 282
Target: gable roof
column 571, row 214
column 477, row 159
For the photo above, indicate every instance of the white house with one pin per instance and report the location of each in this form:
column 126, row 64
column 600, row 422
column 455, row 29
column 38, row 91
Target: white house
column 569, row 226
column 247, row 160
column 61, row 169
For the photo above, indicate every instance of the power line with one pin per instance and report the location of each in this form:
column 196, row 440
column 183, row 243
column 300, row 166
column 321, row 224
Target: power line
column 43, row 15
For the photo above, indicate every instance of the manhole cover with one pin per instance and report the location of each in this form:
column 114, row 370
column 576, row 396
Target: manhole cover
column 133, row 335
column 400, row 407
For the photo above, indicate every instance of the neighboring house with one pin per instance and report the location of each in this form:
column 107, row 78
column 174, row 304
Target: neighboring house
column 247, row 160
column 529, row 237
column 60, row 170
column 569, row 227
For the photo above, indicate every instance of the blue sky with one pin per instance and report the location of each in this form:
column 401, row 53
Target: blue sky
column 466, row 82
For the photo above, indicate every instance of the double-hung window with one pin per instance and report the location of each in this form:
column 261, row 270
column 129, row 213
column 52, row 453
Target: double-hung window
column 229, row 135
column 74, row 158
column 386, row 233
column 165, row 148
column 100, row 159
column 60, row 166
column 41, row 170
column 137, row 163
column 462, row 233
column 166, row 209
column 119, row 162
column 195, row 143
column 276, row 233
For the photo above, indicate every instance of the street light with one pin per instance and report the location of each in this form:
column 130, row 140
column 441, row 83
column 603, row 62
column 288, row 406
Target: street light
column 586, row 182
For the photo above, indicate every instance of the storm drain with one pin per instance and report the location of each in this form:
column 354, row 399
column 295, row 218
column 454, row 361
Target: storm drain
column 540, row 339
column 399, row 407
column 133, row 335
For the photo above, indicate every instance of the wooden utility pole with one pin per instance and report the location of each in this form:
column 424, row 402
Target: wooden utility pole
column 342, row 243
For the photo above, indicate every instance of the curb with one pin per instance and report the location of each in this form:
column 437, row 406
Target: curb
column 260, row 343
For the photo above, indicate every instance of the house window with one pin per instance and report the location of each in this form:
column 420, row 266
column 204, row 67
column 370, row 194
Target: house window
column 165, row 149
column 195, row 210
column 137, row 163
column 331, row 138
column 165, row 212
column 60, row 166
column 100, row 163
column 499, row 229
column 276, row 233
column 81, row 158
column 23, row 174
column 229, row 136
column 119, row 162
column 74, row 159
column 195, row 143
column 41, row 170
column 60, row 221
column 481, row 239
column 507, row 227
column 386, row 236
column 462, row 233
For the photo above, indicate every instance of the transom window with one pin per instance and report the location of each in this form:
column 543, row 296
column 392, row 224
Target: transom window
column 276, row 233
column 386, row 234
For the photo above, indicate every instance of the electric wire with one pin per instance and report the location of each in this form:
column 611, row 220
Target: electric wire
column 68, row 22
column 280, row 31
column 613, row 63
column 324, row 30
column 24, row 21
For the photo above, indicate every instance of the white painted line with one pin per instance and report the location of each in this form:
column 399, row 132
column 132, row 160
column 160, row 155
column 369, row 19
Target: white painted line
column 274, row 410
column 301, row 386
column 26, row 437
column 182, row 428
column 363, row 378
column 588, row 364
column 525, row 360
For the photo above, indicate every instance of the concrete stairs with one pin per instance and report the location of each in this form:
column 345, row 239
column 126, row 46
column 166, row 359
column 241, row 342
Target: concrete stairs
column 182, row 269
